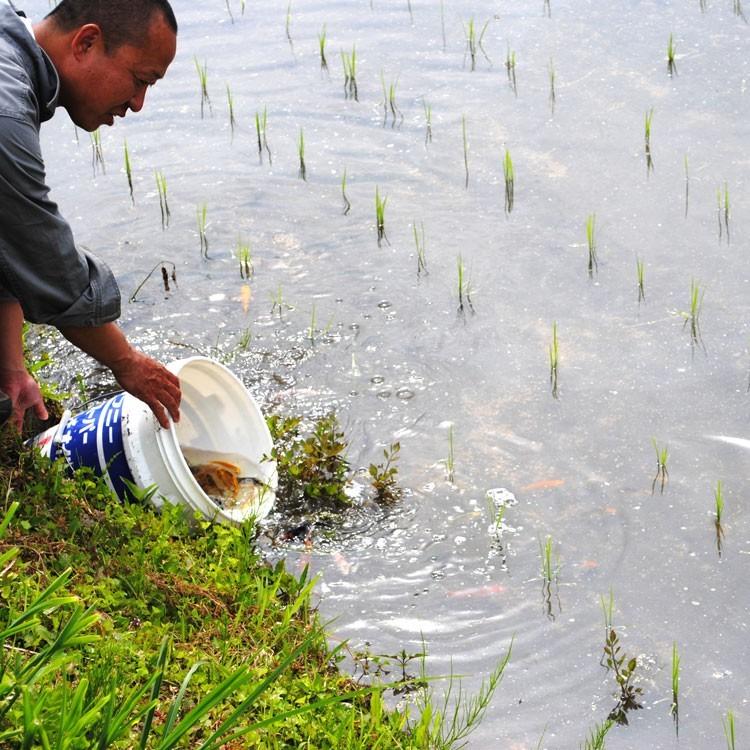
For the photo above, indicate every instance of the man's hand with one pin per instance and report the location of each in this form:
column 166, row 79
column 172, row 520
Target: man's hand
column 24, row 394
column 150, row 382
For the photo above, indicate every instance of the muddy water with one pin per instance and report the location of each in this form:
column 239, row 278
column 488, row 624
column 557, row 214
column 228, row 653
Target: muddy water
column 397, row 361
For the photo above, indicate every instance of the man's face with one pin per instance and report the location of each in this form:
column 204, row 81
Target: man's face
column 101, row 84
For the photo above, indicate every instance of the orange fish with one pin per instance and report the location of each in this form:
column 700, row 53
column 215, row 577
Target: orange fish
column 489, row 589
column 544, row 484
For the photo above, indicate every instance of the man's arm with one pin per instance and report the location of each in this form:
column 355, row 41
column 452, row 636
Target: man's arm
column 138, row 374
column 15, row 381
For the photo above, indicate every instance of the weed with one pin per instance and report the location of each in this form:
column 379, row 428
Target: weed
column 640, row 270
column 662, row 475
column 421, row 246
column 161, row 187
column 624, row 671
column 554, row 359
column 349, row 62
column 464, row 287
column 200, row 214
column 261, row 129
column 595, row 740
column 675, row 710
column 380, row 204
column 466, row 149
column 166, row 276
column 719, row 515
column 671, row 65
column 322, row 40
column 692, row 315
column 509, row 176
column 383, row 477
column 129, row 172
column 591, row 243
column 230, row 104
column 347, row 203
column 389, row 102
column 203, row 78
column 474, row 42
column 301, row 154
column 510, row 67
column 245, row 260
column 728, row 723
column 428, row 122
column 97, row 153
column 648, row 118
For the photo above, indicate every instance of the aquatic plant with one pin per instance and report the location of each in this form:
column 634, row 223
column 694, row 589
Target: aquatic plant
column 278, row 303
column 322, row 48
column 466, row 149
column 496, row 511
column 640, row 271
column 203, row 78
column 719, row 515
column 384, row 477
column 608, row 610
column 649, row 116
column 692, row 314
column 161, row 187
column 662, row 475
column 552, row 77
column 509, row 176
column 347, row 203
column 244, row 257
column 738, row 10
column 550, row 567
column 591, row 243
column 97, row 153
column 200, row 215
column 428, row 122
column 510, row 67
column 380, row 204
column 464, row 286
column 722, row 200
column 313, row 322
column 421, row 246
column 474, row 42
column 230, row 104
column 389, row 102
column 229, row 10
column 675, row 685
column 261, row 130
column 349, row 62
column 596, row 739
column 671, row 65
column 129, row 171
column 301, row 154
column 554, row 359
column 624, row 672
column 166, row 276
column 450, row 461
column 728, row 724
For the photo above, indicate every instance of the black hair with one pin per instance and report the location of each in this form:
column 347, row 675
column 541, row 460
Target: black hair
column 121, row 21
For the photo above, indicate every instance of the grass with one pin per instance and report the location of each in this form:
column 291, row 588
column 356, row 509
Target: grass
column 450, row 461
column 349, row 62
column 201, row 218
column 428, row 122
column 596, row 739
column 728, row 723
column 380, row 204
column 466, row 149
column 322, row 40
column 554, row 359
column 662, row 474
column 719, row 515
column 474, row 42
column 510, row 67
column 202, row 71
column 389, row 102
column 648, row 118
column 347, row 202
column 301, row 154
column 675, row 683
column 421, row 246
column 593, row 265
column 230, row 106
column 550, row 566
column 509, row 175
column 161, row 187
column 464, row 285
column 640, row 271
column 671, row 64
column 261, row 130
column 97, row 153
column 245, row 259
column 692, row 314
column 129, row 172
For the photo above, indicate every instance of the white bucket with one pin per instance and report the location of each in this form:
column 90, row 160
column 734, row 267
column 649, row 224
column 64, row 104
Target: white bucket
column 121, row 439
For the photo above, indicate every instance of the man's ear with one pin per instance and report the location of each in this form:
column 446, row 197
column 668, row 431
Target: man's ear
column 86, row 39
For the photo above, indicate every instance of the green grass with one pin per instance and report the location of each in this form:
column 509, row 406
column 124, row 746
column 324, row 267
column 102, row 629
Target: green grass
column 648, row 119
column 301, row 155
column 261, row 130
column 510, row 67
column 389, row 101
column 161, row 187
column 464, row 286
column 728, row 723
column 510, row 179
column 421, row 247
column 129, row 171
column 608, row 610
column 554, row 360
column 202, row 71
column 593, row 264
column 719, row 515
column 380, row 204
column 347, row 202
column 640, row 272
column 675, row 681
column 201, row 213
column 550, row 562
column 322, row 41
column 97, row 152
column 349, row 62
column 596, row 739
column 693, row 313
column 245, row 259
column 474, row 39
column 662, row 474
column 671, row 64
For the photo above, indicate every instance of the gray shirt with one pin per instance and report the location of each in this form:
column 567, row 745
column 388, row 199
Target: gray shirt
column 40, row 266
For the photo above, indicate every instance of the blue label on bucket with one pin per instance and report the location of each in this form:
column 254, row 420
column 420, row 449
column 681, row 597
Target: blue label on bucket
column 94, row 439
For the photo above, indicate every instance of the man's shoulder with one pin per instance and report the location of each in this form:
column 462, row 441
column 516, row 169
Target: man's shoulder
column 17, row 95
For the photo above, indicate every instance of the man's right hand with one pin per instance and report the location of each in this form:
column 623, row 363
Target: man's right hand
column 24, row 394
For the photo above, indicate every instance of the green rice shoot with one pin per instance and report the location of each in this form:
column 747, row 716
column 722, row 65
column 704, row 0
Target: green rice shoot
column 554, row 359
column 129, row 172
column 552, row 78
column 380, row 204
column 322, row 40
column 347, row 202
column 261, row 130
column 608, row 609
column 675, row 680
column 648, row 119
column 728, row 722
column 201, row 213
column 509, row 175
column 671, row 64
column 161, row 187
column 301, row 154
column 97, row 152
column 419, row 242
column 591, row 243
column 349, row 62
column 428, row 122
column 641, row 272
column 550, row 566
column 510, row 67
column 474, row 42
column 662, row 474
column 450, row 461
column 244, row 257
column 203, row 78
column 230, row 106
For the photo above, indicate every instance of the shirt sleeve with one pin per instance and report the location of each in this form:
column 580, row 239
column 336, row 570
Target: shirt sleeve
column 40, row 266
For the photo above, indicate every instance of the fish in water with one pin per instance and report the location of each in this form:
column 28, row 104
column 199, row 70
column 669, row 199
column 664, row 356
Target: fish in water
column 223, row 483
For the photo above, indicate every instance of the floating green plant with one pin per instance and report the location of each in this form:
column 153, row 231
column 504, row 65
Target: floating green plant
column 554, row 359
column 466, row 149
column 301, row 154
column 662, row 475
column 591, row 243
column 624, row 672
column 261, row 130
column 129, row 171
column 203, row 77
column 389, row 102
column 675, row 707
column 97, row 152
column 384, row 477
column 671, row 64
column 380, row 204
column 428, row 122
column 347, row 203
column 641, row 271
column 692, row 314
column 728, row 723
column 420, row 244
column 349, row 62
column 464, row 286
column 474, row 42
column 161, row 187
column 201, row 213
column 649, row 116
column 450, row 461
column 245, row 259
column 509, row 176
column 510, row 67
column 552, row 77
column 322, row 40
column 230, row 105
column 719, row 515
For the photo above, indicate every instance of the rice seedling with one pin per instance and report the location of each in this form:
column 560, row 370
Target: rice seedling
column 550, row 564
column 552, row 76
column 728, row 723
column 288, row 24
column 229, row 10
column 474, row 42
column 380, row 204
column 509, row 176
column 687, row 184
column 311, row 329
column 244, row 257
column 230, row 105
column 411, row 14
column 245, row 338
column 719, row 515
column 671, row 65
column 242, row 7
column 640, row 270
column 322, row 48
column 596, row 740
column 624, row 672
column 464, row 287
column 166, row 276
column 591, row 243
column 161, row 187
column 428, row 122
column 389, row 102
column 662, row 475
column 466, row 149
column 510, row 67
column 201, row 218
column 278, row 303
column 554, row 359
column 347, row 203
column 723, row 210
column 608, row 610
column 349, row 62
column 675, row 707
column 97, row 153
column 261, row 130
column 496, row 511
column 647, row 135
column 203, row 77
column 450, row 461
column 738, row 10
column 692, row 315
column 420, row 244
column 129, row 172
column 301, row 154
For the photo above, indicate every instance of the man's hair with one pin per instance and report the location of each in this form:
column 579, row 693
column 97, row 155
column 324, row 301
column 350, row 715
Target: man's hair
column 121, row 21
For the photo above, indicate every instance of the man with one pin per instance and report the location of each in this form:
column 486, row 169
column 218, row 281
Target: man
column 95, row 58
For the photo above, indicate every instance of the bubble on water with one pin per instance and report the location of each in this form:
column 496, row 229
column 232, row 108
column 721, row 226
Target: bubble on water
column 377, row 379
column 384, row 394
column 404, row 394
column 384, row 305
column 458, row 540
